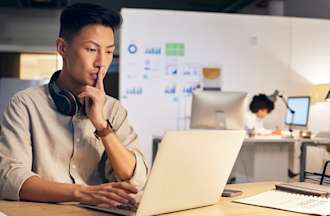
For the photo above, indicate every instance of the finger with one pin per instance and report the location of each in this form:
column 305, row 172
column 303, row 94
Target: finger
column 88, row 93
column 94, row 90
column 90, row 89
column 105, row 200
column 114, row 196
column 108, row 191
column 99, row 82
column 81, row 97
column 125, row 186
column 88, row 198
column 87, row 104
column 122, row 193
column 130, row 188
column 94, row 198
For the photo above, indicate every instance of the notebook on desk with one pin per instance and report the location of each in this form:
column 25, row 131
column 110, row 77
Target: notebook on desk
column 290, row 202
column 304, row 188
column 190, row 170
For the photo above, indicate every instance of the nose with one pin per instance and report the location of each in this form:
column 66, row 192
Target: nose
column 100, row 61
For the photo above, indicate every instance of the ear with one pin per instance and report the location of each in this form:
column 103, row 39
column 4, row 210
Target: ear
column 61, row 46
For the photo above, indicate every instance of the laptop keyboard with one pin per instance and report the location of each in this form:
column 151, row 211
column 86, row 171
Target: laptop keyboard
column 128, row 207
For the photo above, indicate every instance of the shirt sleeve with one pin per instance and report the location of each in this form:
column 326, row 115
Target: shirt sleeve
column 129, row 139
column 15, row 150
column 256, row 126
column 249, row 122
column 261, row 131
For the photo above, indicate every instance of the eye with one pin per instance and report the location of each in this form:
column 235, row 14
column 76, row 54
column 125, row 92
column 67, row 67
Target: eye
column 91, row 50
column 109, row 52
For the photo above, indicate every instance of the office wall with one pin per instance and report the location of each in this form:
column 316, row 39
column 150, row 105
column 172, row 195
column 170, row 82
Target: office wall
column 310, row 49
column 33, row 30
column 28, row 29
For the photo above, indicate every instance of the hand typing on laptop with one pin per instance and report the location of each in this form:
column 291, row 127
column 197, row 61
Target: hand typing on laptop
column 107, row 195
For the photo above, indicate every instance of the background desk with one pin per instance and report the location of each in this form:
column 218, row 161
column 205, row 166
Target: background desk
column 263, row 159
column 223, row 208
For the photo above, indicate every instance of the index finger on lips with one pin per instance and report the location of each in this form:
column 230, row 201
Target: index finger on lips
column 99, row 82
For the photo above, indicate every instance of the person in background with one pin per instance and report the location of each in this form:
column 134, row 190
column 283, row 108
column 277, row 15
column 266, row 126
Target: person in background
column 259, row 107
column 67, row 140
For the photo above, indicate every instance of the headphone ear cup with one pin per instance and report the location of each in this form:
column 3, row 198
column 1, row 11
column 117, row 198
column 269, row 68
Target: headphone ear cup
column 64, row 100
column 69, row 103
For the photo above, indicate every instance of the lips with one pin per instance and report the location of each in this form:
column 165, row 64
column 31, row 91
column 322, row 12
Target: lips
column 94, row 76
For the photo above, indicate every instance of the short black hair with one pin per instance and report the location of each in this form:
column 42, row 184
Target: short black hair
column 77, row 16
column 261, row 101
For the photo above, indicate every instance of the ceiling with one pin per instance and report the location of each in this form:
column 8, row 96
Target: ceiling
column 229, row 6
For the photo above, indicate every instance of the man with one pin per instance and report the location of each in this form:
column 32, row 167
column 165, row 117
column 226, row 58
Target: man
column 260, row 107
column 68, row 141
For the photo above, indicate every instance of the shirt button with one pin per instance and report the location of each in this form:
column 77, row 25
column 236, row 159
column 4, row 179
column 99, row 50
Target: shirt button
column 77, row 140
column 73, row 166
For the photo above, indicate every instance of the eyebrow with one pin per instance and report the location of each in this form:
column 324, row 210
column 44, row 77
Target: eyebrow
column 98, row 45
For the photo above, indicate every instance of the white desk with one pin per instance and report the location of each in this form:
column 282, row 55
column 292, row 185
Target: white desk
column 263, row 159
column 274, row 165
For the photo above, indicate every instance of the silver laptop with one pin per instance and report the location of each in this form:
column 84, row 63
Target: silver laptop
column 190, row 170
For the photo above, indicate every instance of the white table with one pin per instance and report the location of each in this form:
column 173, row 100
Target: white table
column 263, row 159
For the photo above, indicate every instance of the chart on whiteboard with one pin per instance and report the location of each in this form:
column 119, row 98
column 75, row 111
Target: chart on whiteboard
column 157, row 86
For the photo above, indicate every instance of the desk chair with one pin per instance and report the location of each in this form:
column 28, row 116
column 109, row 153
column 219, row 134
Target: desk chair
column 323, row 173
column 321, row 177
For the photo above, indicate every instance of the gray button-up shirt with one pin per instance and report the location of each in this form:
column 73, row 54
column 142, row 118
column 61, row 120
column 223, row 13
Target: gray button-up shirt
column 36, row 139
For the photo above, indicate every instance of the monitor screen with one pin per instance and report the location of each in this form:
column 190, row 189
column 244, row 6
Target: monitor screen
column 218, row 110
column 301, row 107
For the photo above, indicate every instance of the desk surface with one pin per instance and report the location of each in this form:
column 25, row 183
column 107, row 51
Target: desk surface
column 279, row 139
column 223, row 207
column 269, row 139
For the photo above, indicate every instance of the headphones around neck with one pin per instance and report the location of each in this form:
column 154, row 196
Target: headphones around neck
column 65, row 101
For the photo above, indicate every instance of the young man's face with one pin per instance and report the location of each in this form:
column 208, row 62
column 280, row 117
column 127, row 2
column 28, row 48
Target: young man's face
column 88, row 53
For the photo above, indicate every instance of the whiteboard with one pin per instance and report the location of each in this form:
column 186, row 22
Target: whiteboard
column 253, row 53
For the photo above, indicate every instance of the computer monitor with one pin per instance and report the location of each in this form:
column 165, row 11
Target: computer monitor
column 218, row 110
column 300, row 106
